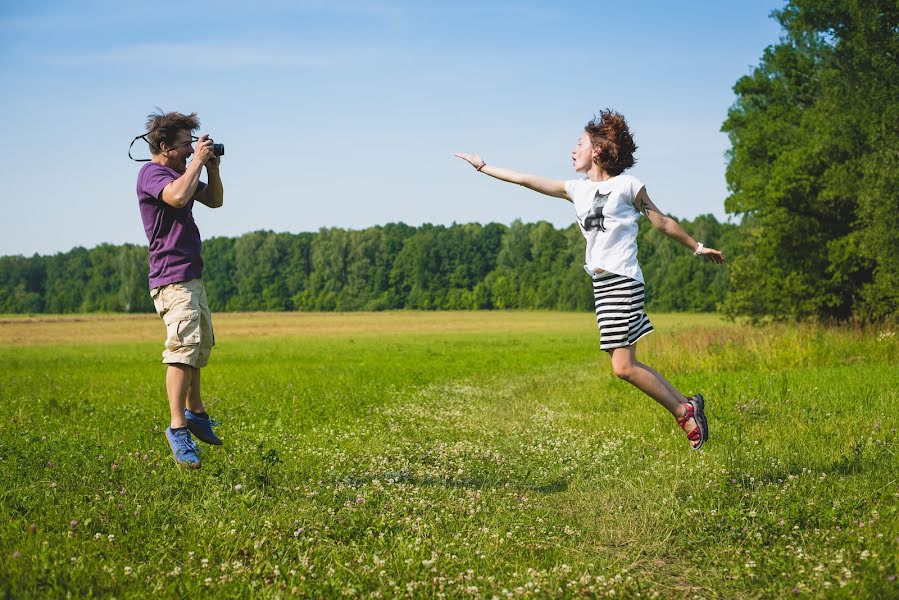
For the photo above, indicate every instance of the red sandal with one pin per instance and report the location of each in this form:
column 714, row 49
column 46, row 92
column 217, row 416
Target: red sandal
column 700, row 433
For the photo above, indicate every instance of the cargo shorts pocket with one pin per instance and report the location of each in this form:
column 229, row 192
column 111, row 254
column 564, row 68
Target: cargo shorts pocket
column 182, row 330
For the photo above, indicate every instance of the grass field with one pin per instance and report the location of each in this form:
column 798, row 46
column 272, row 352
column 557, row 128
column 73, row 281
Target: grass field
column 449, row 454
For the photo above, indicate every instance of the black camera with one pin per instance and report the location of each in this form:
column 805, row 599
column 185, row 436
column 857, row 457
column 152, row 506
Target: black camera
column 218, row 149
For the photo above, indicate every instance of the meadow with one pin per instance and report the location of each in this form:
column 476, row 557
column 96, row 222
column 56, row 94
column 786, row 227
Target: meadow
column 449, row 454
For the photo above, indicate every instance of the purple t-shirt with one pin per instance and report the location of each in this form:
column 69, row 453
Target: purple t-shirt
column 173, row 235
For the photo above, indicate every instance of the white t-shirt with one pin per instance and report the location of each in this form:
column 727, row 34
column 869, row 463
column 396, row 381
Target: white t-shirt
column 608, row 219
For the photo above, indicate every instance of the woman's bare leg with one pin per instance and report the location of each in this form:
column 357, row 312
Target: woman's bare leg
column 626, row 366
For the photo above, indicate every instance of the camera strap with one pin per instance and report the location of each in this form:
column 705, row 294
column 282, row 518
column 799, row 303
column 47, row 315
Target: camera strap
column 143, row 137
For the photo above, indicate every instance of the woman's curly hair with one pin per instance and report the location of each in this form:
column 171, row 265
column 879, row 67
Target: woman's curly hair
column 611, row 137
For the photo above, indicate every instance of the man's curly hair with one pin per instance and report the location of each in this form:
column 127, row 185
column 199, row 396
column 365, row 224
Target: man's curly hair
column 164, row 127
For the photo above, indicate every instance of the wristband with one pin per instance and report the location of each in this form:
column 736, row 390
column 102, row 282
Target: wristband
column 481, row 167
column 698, row 250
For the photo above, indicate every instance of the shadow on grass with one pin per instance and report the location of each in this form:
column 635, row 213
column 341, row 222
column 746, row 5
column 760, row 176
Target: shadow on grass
column 474, row 483
column 861, row 457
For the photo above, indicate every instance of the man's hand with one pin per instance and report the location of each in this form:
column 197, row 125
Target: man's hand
column 203, row 151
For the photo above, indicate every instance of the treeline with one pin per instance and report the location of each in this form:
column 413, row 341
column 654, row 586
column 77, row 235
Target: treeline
column 396, row 266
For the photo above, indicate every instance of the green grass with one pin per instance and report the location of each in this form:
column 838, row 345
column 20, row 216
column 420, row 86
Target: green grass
column 450, row 454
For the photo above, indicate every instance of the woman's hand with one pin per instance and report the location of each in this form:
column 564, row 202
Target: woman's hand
column 712, row 254
column 473, row 159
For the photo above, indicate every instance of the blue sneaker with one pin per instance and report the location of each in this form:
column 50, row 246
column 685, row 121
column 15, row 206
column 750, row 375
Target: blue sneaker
column 183, row 447
column 202, row 427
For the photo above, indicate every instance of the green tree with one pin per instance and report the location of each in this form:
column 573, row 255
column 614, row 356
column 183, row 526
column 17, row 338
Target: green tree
column 328, row 273
column 102, row 291
column 134, row 269
column 813, row 168
column 67, row 279
column 220, row 274
column 23, row 283
column 258, row 258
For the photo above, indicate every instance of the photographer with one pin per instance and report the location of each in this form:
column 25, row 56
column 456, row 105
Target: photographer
column 167, row 187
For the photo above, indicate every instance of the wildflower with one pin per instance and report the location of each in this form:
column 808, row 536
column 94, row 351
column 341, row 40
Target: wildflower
column 73, row 524
column 128, row 570
column 238, row 487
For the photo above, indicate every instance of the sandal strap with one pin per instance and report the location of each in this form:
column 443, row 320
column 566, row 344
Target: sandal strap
column 689, row 414
column 694, row 435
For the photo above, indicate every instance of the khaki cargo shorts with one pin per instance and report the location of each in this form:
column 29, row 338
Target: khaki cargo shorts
column 188, row 323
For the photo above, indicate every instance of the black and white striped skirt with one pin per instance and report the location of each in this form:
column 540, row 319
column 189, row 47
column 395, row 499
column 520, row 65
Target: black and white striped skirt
column 619, row 310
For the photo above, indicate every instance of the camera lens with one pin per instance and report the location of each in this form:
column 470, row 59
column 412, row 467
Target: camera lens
column 218, row 149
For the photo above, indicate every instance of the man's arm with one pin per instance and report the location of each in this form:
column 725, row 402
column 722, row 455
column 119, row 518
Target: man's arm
column 550, row 187
column 671, row 228
column 213, row 195
column 179, row 192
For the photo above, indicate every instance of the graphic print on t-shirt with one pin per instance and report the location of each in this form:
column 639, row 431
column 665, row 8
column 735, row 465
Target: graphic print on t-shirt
column 595, row 218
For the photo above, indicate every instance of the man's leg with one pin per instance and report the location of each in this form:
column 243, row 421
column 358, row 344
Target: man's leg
column 194, row 403
column 178, row 381
column 197, row 420
column 199, row 423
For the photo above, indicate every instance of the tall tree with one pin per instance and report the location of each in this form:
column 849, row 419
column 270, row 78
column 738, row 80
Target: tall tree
column 67, row 279
column 134, row 270
column 813, row 167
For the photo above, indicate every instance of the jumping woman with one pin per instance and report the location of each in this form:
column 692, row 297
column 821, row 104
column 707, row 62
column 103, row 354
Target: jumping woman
column 607, row 204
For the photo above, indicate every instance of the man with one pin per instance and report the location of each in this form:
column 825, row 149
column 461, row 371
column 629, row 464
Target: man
column 167, row 187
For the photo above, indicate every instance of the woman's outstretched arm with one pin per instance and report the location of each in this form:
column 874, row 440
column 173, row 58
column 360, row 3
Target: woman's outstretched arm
column 671, row 228
column 550, row 187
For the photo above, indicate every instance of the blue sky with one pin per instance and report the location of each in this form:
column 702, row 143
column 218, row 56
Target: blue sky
column 346, row 114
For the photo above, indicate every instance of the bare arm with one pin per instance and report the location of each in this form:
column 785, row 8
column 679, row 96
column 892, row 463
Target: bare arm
column 670, row 227
column 179, row 192
column 550, row 187
column 213, row 195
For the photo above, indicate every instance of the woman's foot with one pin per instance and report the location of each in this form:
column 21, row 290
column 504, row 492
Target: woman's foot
column 698, row 403
column 692, row 420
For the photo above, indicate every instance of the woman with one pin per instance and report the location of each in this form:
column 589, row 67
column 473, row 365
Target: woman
column 608, row 204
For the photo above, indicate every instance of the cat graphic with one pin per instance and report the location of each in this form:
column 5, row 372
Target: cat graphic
column 595, row 218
